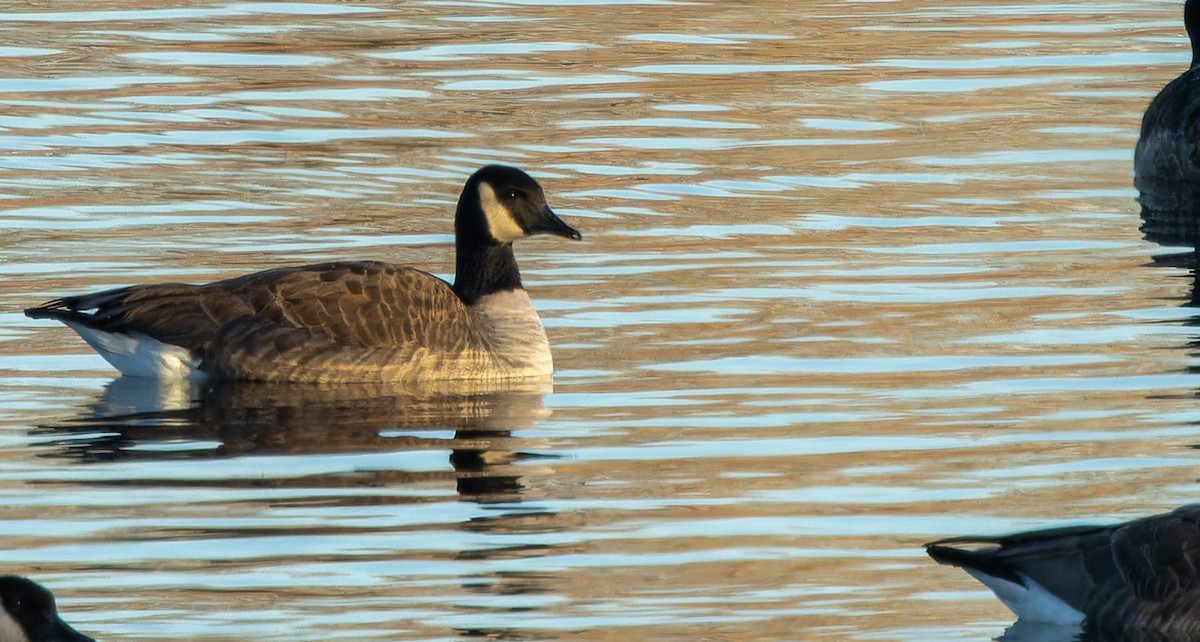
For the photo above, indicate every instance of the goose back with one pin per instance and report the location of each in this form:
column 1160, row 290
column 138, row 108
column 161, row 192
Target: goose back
column 329, row 322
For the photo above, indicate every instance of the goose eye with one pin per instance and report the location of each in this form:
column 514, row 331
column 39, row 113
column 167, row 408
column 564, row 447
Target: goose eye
column 512, row 193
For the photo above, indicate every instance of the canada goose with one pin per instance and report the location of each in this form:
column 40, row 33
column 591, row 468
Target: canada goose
column 29, row 614
column 344, row 321
column 1166, row 161
column 1142, row 575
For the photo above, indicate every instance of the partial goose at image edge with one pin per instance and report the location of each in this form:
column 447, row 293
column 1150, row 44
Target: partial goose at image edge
column 29, row 613
column 1166, row 161
column 1137, row 580
column 347, row 321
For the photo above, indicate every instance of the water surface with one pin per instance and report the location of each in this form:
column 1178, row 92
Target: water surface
column 854, row 277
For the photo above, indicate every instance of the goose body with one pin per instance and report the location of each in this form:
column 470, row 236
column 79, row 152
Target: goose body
column 29, row 614
column 1166, row 161
column 344, row 321
column 1142, row 575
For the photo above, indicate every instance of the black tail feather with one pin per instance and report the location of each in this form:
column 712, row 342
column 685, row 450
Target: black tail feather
column 982, row 559
column 72, row 308
column 60, row 310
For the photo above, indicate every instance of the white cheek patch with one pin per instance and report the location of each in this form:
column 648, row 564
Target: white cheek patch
column 499, row 218
column 10, row 631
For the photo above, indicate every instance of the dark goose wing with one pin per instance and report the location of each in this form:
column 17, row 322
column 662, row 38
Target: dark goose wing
column 325, row 322
column 1158, row 581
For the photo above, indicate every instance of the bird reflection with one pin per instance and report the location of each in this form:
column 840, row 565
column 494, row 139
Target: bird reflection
column 1180, row 228
column 1027, row 631
column 1177, row 226
column 146, row 420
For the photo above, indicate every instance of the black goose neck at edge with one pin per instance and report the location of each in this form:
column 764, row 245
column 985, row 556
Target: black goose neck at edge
column 484, row 268
column 1191, row 22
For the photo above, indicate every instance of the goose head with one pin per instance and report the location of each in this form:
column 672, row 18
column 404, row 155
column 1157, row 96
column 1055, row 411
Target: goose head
column 501, row 204
column 30, row 615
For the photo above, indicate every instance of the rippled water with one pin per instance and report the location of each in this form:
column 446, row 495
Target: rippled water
column 855, row 276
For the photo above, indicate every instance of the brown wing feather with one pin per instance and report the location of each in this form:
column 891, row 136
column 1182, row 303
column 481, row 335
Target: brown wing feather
column 345, row 321
column 327, row 320
column 1158, row 557
column 174, row 313
column 367, row 304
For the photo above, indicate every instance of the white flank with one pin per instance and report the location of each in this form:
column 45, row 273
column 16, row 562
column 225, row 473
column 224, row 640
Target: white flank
column 10, row 630
column 516, row 332
column 499, row 218
column 138, row 355
column 1032, row 603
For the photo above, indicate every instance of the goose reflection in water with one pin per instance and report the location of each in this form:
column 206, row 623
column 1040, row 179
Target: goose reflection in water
column 1027, row 631
column 147, row 420
column 139, row 422
column 1178, row 228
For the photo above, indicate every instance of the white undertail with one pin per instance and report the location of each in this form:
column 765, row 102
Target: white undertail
column 1030, row 602
column 139, row 355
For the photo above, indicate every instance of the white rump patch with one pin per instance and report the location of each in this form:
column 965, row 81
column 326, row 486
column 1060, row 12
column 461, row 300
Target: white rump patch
column 1032, row 603
column 500, row 220
column 139, row 355
column 10, row 629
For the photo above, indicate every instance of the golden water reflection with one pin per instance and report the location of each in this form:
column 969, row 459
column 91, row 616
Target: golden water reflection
column 856, row 276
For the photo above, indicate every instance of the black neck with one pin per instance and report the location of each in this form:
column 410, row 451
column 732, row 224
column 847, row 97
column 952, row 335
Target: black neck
column 1191, row 21
column 484, row 268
